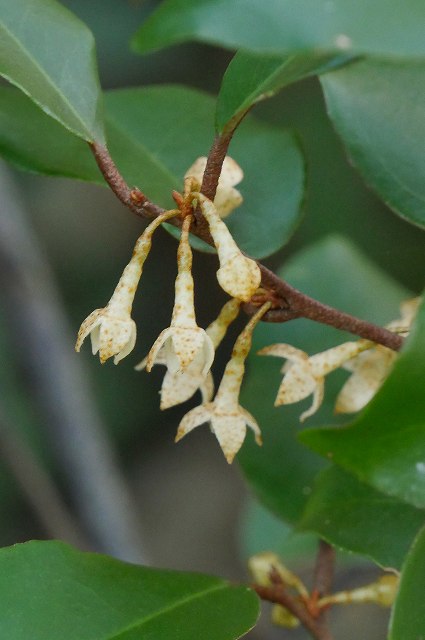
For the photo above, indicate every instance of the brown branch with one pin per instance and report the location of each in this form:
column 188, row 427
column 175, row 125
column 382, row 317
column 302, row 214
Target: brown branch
column 288, row 302
column 323, row 578
column 277, row 594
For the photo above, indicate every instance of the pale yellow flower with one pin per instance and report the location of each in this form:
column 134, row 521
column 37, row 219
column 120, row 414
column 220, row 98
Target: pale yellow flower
column 227, row 197
column 183, row 344
column 227, row 418
column 305, row 376
column 111, row 329
column 370, row 369
column 238, row 275
column 179, row 386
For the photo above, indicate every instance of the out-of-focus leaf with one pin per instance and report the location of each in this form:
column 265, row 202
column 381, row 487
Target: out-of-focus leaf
column 378, row 109
column 355, row 517
column 35, row 142
column 49, row 53
column 282, row 471
column 385, row 445
column 261, row 531
column 49, row 591
column 154, row 135
column 392, row 27
column 250, row 78
column 408, row 615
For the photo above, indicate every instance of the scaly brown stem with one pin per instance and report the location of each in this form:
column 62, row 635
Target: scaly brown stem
column 288, row 302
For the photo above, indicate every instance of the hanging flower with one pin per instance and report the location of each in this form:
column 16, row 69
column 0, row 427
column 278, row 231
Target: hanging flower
column 111, row 329
column 183, row 347
column 179, row 386
column 227, row 197
column 305, row 376
column 227, row 418
column 238, row 275
column 370, row 369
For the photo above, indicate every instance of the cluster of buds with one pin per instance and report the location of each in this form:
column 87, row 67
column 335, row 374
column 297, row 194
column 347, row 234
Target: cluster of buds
column 187, row 350
column 267, row 570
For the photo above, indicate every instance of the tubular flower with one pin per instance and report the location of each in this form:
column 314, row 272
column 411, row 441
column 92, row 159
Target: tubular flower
column 305, row 375
column 370, row 369
column 112, row 330
column 179, row 386
column 238, row 275
column 227, row 197
column 183, row 347
column 227, row 418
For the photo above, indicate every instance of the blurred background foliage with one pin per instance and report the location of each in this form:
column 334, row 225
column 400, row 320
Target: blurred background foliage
column 190, row 506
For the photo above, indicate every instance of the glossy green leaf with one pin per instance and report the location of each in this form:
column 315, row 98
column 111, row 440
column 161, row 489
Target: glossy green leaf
column 49, row 54
column 408, row 615
column 282, row 471
column 49, row 590
column 385, row 445
column 378, row 109
column 355, row 517
column 154, row 135
column 357, row 26
column 250, row 78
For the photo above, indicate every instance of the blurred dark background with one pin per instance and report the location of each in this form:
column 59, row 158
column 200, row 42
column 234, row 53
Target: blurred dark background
column 90, row 441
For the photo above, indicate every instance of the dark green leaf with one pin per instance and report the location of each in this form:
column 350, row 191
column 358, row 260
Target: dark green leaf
column 378, row 108
column 251, row 78
column 408, row 616
column 356, row 26
column 154, row 135
column 352, row 515
column 385, row 445
column 49, row 591
column 49, row 54
column 282, row 471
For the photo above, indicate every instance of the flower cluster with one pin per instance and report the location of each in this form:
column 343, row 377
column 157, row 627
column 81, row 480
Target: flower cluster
column 369, row 364
column 187, row 350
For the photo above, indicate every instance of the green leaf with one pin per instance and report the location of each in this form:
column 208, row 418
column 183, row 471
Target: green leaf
column 355, row 517
column 49, row 590
column 35, row 142
column 154, row 135
column 385, row 445
column 49, row 54
column 356, row 26
column 378, row 109
column 408, row 616
column 282, row 471
column 250, row 78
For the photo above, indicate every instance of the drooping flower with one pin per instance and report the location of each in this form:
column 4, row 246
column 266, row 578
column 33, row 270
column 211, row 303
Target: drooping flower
column 111, row 329
column 227, row 418
column 179, row 386
column 370, row 369
column 227, row 197
column 183, row 346
column 305, row 375
column 238, row 275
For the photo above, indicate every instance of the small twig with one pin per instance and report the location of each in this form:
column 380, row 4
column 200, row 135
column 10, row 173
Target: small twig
column 323, row 578
column 277, row 594
column 289, row 303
